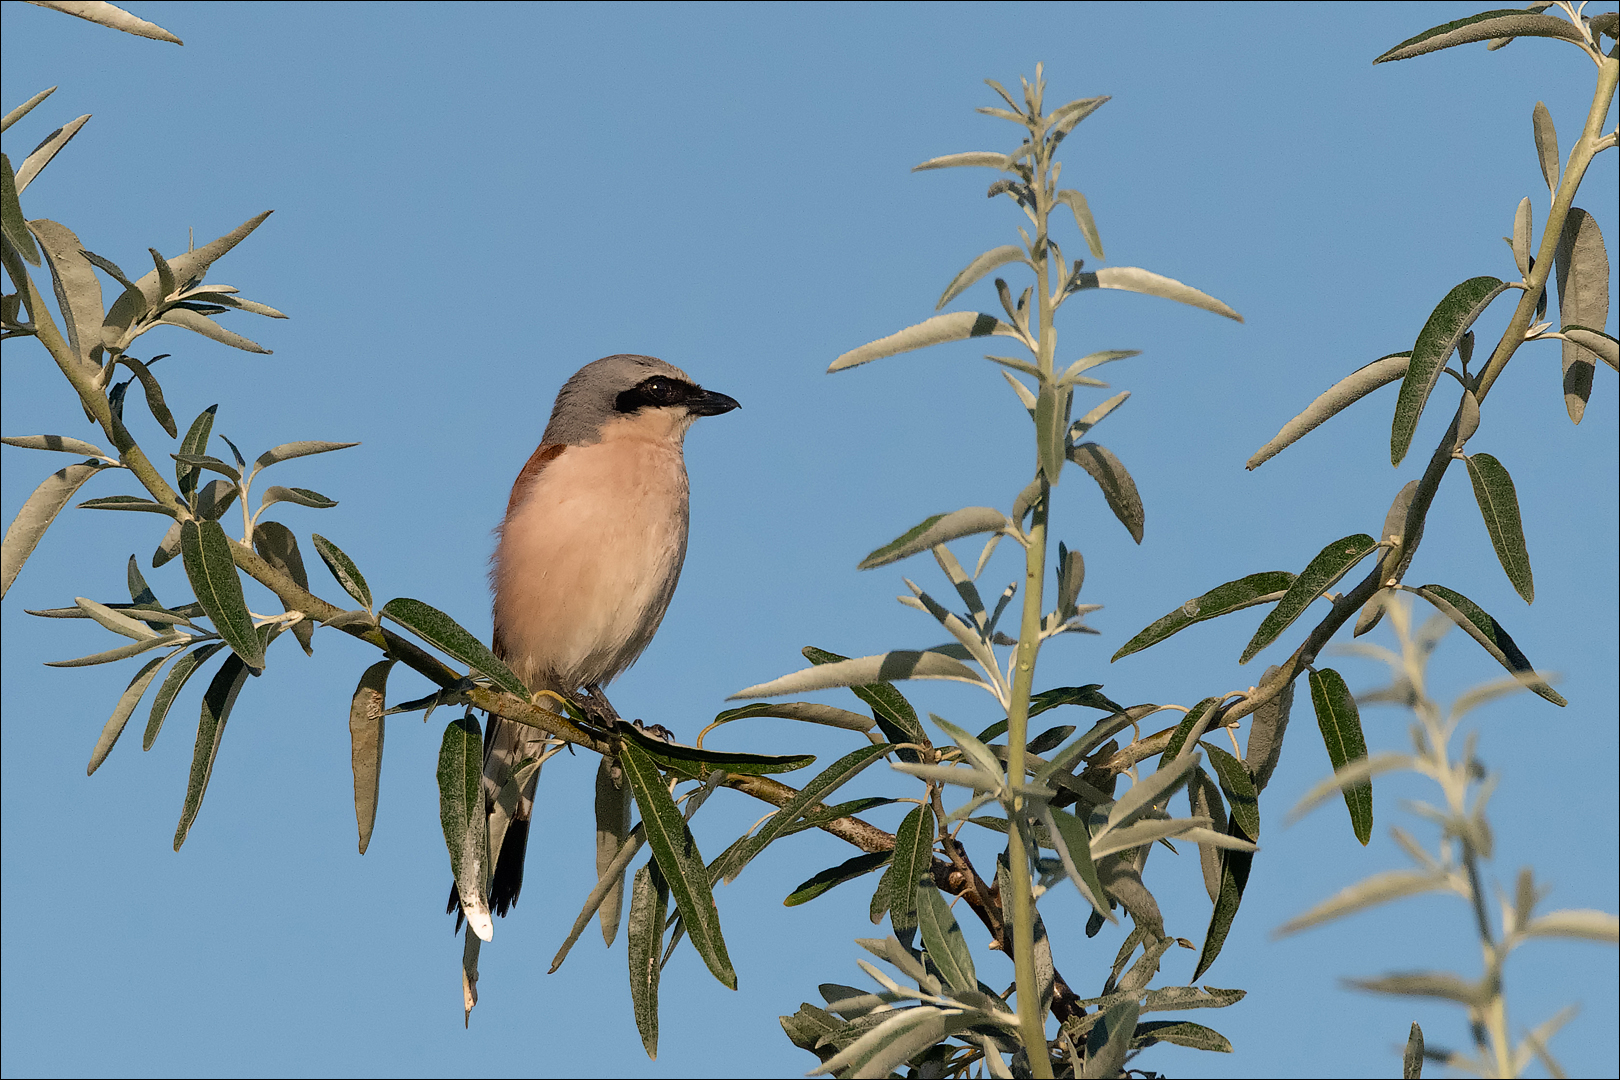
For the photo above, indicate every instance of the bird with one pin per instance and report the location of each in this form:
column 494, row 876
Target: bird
column 587, row 557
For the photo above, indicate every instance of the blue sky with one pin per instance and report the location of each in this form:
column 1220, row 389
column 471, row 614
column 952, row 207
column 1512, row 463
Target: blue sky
column 474, row 200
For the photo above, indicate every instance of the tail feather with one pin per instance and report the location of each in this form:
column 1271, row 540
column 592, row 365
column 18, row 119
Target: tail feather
column 505, row 745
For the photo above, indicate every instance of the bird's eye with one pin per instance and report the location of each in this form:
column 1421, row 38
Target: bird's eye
column 657, row 391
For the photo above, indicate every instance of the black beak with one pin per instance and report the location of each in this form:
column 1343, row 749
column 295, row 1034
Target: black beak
column 709, row 403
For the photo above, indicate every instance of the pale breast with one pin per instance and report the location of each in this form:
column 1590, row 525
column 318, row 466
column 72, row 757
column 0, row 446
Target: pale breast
column 588, row 559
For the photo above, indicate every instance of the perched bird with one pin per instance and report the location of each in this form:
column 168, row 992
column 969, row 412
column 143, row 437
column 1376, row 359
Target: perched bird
column 588, row 554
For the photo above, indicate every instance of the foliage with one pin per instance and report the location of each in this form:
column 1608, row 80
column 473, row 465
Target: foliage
column 1050, row 805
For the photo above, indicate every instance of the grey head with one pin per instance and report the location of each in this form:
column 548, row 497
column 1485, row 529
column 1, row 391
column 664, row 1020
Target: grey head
column 623, row 385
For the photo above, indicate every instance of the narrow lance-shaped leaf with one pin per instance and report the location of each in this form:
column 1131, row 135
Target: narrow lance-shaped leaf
column 1606, row 346
column 692, row 763
column 890, row 710
column 1581, row 268
column 444, row 633
column 1235, row 868
column 848, row 870
column 207, row 554
column 172, row 684
column 1075, row 853
column 1546, row 136
column 810, row 712
column 1500, row 23
column 1204, row 800
column 1117, row 486
column 277, row 546
column 942, row 937
column 11, row 216
column 678, row 857
column 1324, row 571
column 78, row 290
column 63, row 443
column 1224, row 599
column 202, row 324
column 937, row 529
column 1051, row 424
column 110, row 15
column 36, row 515
column 1479, row 625
column 288, row 451
column 612, row 804
column 831, row 779
column 1266, row 732
column 979, row 267
column 42, row 154
column 217, row 703
column 462, row 816
column 649, row 906
column 195, row 443
column 1340, row 722
column 987, row 158
column 1499, row 506
column 1076, row 202
column 913, row 854
column 130, row 698
column 366, row 745
column 956, row 326
column 25, row 108
column 1180, row 1033
column 1109, row 1040
column 1412, row 1056
column 1342, row 394
column 1439, row 337
column 1135, row 279
column 154, row 394
column 1238, row 787
column 1523, row 235
column 343, row 570
column 887, row 667
column 298, row 496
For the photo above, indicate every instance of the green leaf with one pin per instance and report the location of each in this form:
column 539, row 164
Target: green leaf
column 1338, row 397
column 1323, row 572
column 1605, row 346
column 695, row 764
column 990, row 260
column 1235, row 867
column 1337, row 716
column 1498, row 23
column 288, row 451
column 195, row 444
column 942, row 938
column 612, row 804
column 955, row 326
column 938, row 529
column 78, row 290
column 1051, row 430
column 11, row 215
column 63, row 443
column 130, row 698
column 126, row 502
column 677, row 854
column 1184, row 730
column 277, row 546
column 1412, row 1056
column 1179, row 1033
column 649, row 906
column 217, row 702
column 913, row 860
column 1135, row 279
column 123, row 652
column 444, row 633
column 1117, row 486
column 171, row 687
column 1072, row 833
column 848, row 870
column 299, row 496
column 1499, row 506
column 1076, row 202
column 987, row 158
column 36, row 515
column 808, row 711
column 1104, row 729
column 1581, row 268
column 207, row 555
column 1441, row 335
column 1238, row 788
column 366, row 745
column 343, row 570
column 1261, row 588
column 778, row 824
column 865, row 671
column 1266, row 731
column 1109, row 1040
column 893, row 713
column 154, row 394
column 462, row 815
column 208, row 461
column 1546, row 136
column 25, row 108
column 1479, row 625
